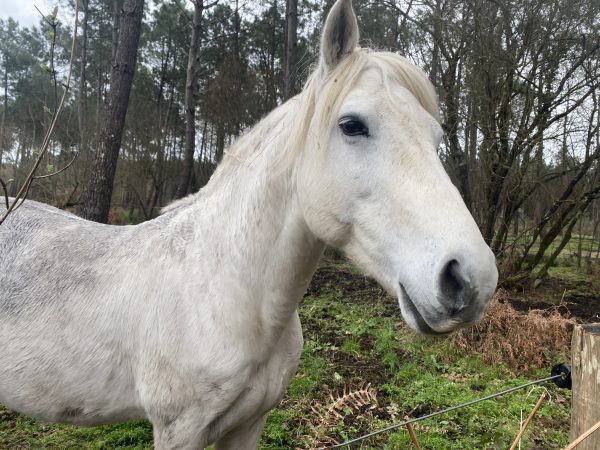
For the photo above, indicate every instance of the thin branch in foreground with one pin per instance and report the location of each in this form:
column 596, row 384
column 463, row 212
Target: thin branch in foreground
column 5, row 189
column 48, row 175
column 24, row 191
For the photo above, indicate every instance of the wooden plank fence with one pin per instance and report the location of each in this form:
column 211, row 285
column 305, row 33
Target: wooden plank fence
column 585, row 413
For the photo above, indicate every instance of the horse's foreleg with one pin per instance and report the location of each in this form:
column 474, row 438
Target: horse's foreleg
column 243, row 437
column 181, row 433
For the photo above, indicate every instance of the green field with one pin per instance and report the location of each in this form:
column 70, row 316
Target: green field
column 362, row 369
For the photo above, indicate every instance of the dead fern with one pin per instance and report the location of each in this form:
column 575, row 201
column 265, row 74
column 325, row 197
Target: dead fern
column 354, row 405
column 522, row 340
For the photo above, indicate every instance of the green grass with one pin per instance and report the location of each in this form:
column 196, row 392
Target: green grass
column 351, row 340
column 17, row 432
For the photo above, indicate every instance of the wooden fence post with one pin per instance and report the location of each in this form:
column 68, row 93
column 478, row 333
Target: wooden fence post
column 585, row 409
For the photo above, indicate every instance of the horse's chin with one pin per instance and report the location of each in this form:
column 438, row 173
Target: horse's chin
column 417, row 322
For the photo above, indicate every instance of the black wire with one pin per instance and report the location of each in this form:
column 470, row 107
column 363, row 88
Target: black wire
column 443, row 411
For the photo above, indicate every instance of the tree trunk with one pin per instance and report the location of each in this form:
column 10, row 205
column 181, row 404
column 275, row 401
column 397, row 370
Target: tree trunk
column 271, row 87
column 568, row 232
column 115, row 30
column 98, row 193
column 82, row 75
column 458, row 156
column 291, row 41
column 4, row 108
column 190, row 101
column 220, row 145
column 239, row 73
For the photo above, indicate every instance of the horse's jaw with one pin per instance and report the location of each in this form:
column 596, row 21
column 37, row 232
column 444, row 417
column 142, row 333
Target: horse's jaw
column 419, row 283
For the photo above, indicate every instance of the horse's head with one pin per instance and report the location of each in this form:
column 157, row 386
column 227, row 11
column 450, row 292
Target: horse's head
column 369, row 181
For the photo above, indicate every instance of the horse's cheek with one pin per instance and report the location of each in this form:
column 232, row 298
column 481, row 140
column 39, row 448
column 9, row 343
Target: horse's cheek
column 323, row 213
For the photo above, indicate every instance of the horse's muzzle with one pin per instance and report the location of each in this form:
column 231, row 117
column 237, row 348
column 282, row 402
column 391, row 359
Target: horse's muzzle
column 459, row 299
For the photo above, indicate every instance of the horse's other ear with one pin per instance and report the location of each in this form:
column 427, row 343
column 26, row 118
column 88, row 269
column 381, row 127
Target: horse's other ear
column 340, row 34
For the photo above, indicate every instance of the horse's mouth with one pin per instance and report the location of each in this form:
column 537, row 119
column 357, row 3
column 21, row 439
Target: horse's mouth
column 408, row 308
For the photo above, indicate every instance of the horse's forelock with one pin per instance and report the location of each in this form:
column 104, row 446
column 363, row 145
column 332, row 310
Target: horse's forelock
column 320, row 101
column 324, row 93
column 396, row 67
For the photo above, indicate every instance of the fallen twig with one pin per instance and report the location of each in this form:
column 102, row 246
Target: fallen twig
column 412, row 434
column 524, row 426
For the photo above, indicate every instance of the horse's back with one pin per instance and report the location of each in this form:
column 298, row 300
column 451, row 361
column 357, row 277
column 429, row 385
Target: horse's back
column 34, row 223
column 45, row 253
column 58, row 335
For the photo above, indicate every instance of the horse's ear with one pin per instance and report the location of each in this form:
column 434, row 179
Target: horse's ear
column 340, row 34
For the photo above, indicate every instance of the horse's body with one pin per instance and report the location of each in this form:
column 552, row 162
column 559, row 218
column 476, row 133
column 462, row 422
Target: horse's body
column 189, row 320
column 102, row 323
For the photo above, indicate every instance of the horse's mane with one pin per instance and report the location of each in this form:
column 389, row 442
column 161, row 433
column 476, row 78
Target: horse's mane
column 319, row 103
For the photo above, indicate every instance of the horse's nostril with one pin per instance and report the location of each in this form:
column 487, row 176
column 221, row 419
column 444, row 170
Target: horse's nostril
column 454, row 285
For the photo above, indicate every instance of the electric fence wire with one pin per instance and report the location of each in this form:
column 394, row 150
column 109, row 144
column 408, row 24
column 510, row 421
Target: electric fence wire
column 562, row 375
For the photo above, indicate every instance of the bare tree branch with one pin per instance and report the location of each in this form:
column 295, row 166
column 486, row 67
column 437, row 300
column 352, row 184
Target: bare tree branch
column 24, row 191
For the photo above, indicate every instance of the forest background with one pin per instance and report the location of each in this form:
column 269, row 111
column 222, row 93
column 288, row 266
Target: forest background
column 517, row 82
column 518, row 88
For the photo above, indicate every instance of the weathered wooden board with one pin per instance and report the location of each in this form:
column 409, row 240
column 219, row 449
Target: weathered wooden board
column 586, row 384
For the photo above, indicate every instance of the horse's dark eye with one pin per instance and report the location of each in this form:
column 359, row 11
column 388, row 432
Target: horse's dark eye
column 351, row 126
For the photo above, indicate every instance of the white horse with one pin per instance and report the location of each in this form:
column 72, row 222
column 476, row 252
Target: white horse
column 189, row 320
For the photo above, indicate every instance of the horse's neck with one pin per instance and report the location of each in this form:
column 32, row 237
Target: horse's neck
column 266, row 250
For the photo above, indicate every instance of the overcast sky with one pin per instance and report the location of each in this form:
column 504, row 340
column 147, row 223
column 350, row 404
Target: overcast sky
column 23, row 11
